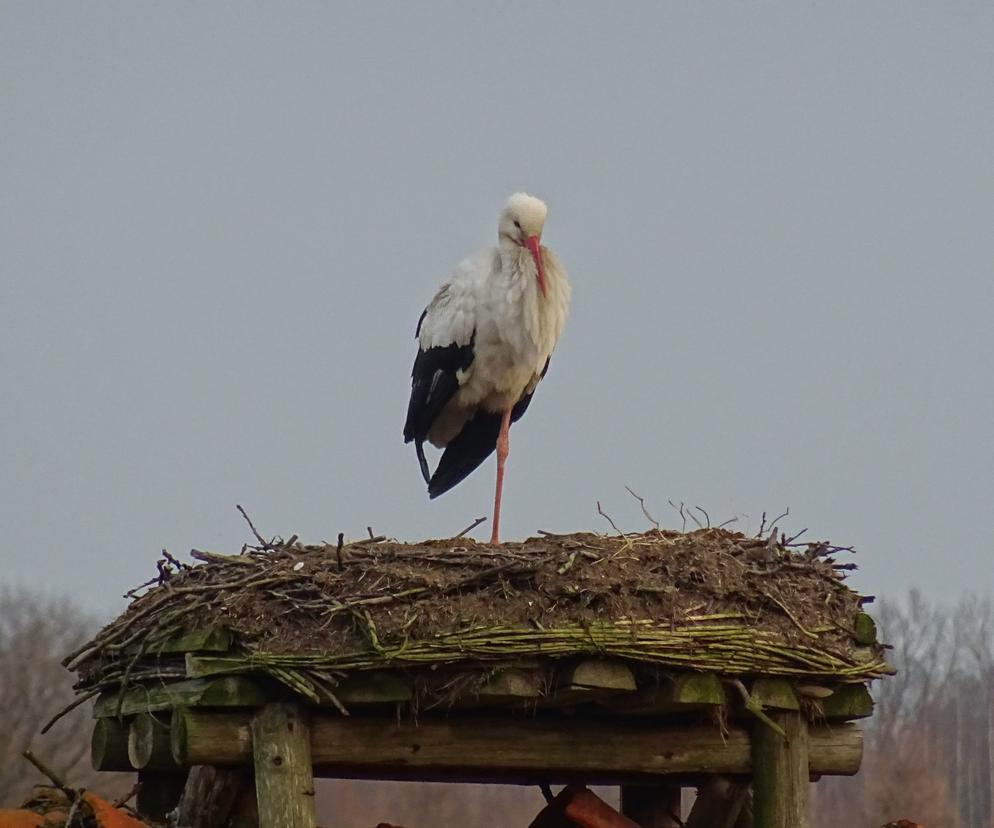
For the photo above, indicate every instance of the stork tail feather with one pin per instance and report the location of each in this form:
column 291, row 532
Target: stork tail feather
column 474, row 444
column 419, row 447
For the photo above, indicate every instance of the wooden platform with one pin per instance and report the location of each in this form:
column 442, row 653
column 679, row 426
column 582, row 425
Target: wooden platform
column 597, row 727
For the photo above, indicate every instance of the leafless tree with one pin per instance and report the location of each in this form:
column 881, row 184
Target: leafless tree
column 36, row 632
column 930, row 744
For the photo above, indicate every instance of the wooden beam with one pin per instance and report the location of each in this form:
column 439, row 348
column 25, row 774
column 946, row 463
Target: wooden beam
column 472, row 746
column 780, row 777
column 109, row 746
column 284, row 778
column 148, row 742
column 653, row 806
column 229, row 691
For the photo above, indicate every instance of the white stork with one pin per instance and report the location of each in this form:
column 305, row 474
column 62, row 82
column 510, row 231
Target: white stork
column 484, row 343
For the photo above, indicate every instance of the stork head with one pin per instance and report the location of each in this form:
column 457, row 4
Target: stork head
column 521, row 223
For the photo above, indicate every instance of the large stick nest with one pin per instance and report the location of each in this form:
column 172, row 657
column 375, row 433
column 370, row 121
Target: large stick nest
column 707, row 600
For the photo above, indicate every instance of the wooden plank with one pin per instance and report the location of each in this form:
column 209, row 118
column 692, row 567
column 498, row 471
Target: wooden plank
column 204, row 666
column 509, row 686
column 284, row 778
column 653, row 806
column 591, row 680
column 599, row 674
column 109, row 746
column 227, row 691
column 159, row 793
column 774, row 694
column 850, row 701
column 689, row 691
column 467, row 746
column 780, row 778
column 720, row 803
column 148, row 742
column 216, row 638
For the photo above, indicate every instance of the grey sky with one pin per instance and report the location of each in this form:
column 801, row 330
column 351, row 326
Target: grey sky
column 219, row 223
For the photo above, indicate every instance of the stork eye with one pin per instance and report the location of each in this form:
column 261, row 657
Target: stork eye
column 517, row 224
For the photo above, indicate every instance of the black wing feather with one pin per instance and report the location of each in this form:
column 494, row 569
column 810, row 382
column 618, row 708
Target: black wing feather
column 433, row 383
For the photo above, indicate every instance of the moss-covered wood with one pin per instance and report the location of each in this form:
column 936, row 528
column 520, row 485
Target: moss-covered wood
column 461, row 746
column 284, row 778
column 865, row 629
column 215, row 638
column 109, row 746
column 850, row 701
column 686, row 692
column 781, row 772
column 774, row 694
column 225, row 691
column 148, row 742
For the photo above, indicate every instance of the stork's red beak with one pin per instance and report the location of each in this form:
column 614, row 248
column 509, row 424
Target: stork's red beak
column 532, row 243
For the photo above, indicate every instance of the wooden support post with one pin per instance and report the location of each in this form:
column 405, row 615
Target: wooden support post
column 721, row 803
column 284, row 777
column 656, row 806
column 159, row 793
column 780, row 776
column 210, row 797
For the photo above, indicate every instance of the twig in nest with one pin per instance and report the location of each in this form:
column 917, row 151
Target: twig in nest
column 683, row 527
column 762, row 526
column 754, row 706
column 69, row 708
column 370, row 540
column 471, row 527
column 607, row 517
column 338, row 551
column 263, row 543
column 57, row 780
column 117, row 803
column 777, row 518
column 693, row 517
column 177, row 563
column 790, row 541
column 645, row 511
column 371, row 533
column 728, row 522
column 707, row 517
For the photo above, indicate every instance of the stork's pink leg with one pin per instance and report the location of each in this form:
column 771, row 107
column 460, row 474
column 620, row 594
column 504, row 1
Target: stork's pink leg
column 503, row 445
